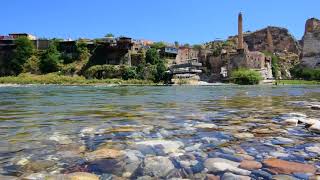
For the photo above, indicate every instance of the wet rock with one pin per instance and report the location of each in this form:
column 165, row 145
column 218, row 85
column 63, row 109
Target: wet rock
column 258, row 174
column 217, row 165
column 145, row 178
column 283, row 177
column 193, row 148
column 245, row 156
column 39, row 165
column 61, row 139
column 104, row 153
column 230, row 176
column 282, row 141
column 8, row 177
column 287, row 167
column 82, row 176
column 244, row 135
column 212, row 177
column 106, row 166
column 157, row 166
column 291, row 121
column 159, row 146
column 250, row 165
column 315, row 107
column 35, row 176
column 206, row 126
column 314, row 149
column 315, row 127
column 132, row 162
column 309, row 121
column 302, row 176
column 226, row 156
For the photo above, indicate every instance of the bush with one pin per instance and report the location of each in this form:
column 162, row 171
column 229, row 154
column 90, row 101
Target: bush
column 129, row 73
column 305, row 73
column 246, row 77
column 32, row 65
column 50, row 59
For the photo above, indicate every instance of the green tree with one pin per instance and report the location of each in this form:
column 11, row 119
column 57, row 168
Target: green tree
column 158, row 45
column 129, row 73
column 109, row 35
column 152, row 56
column 24, row 50
column 50, row 59
column 161, row 71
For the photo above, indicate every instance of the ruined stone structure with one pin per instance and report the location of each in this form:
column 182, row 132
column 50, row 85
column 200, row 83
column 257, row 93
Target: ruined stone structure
column 270, row 41
column 240, row 32
column 186, row 53
column 244, row 58
column 311, row 44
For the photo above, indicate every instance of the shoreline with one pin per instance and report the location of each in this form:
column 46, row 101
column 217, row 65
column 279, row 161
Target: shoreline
column 55, row 79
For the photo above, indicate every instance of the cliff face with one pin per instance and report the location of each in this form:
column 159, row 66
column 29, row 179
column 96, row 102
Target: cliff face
column 276, row 38
column 311, row 44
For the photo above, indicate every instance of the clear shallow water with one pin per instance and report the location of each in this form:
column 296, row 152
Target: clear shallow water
column 47, row 122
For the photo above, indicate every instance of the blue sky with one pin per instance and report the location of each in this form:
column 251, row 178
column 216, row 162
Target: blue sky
column 186, row 21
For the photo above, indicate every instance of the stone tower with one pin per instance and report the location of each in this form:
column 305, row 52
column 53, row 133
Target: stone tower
column 270, row 47
column 240, row 32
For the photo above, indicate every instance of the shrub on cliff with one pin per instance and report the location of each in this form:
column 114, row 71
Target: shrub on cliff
column 50, row 59
column 246, row 77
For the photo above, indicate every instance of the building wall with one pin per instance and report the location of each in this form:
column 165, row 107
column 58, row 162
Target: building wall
column 185, row 54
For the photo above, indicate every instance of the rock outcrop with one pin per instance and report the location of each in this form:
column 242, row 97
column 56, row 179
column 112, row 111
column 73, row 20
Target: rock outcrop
column 275, row 38
column 311, row 44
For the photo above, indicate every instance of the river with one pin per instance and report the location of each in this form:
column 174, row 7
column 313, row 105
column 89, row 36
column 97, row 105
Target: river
column 133, row 131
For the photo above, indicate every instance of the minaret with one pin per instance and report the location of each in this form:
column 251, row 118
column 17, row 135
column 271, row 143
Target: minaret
column 269, row 41
column 240, row 32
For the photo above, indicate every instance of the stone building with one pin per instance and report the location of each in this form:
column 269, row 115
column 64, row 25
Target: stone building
column 186, row 53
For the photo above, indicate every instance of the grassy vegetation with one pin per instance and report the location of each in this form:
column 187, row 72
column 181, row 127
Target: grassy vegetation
column 54, row 78
column 298, row 82
column 246, row 77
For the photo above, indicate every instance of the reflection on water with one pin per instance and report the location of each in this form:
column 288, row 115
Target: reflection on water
column 47, row 122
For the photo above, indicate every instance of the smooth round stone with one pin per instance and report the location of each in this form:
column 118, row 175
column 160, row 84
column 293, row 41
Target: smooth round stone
column 261, row 174
column 314, row 149
column 284, row 177
column 302, row 176
column 103, row 154
column 212, row 177
column 40, row 165
column 250, row 165
column 287, row 167
column 206, row 126
column 226, row 156
column 315, row 127
column 291, row 121
column 165, row 146
column 82, row 176
column 157, row 166
column 230, row 176
column 61, row 139
column 244, row 135
column 217, row 165
column 246, row 157
column 35, row 176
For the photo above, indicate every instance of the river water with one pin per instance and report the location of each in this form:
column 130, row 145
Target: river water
column 52, row 129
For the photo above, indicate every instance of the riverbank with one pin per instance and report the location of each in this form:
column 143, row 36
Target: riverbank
column 298, row 82
column 67, row 80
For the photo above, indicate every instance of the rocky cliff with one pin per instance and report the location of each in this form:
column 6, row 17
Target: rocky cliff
column 311, row 44
column 276, row 38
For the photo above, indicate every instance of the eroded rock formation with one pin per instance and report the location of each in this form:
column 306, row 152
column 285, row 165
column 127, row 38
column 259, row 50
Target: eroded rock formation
column 311, row 44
